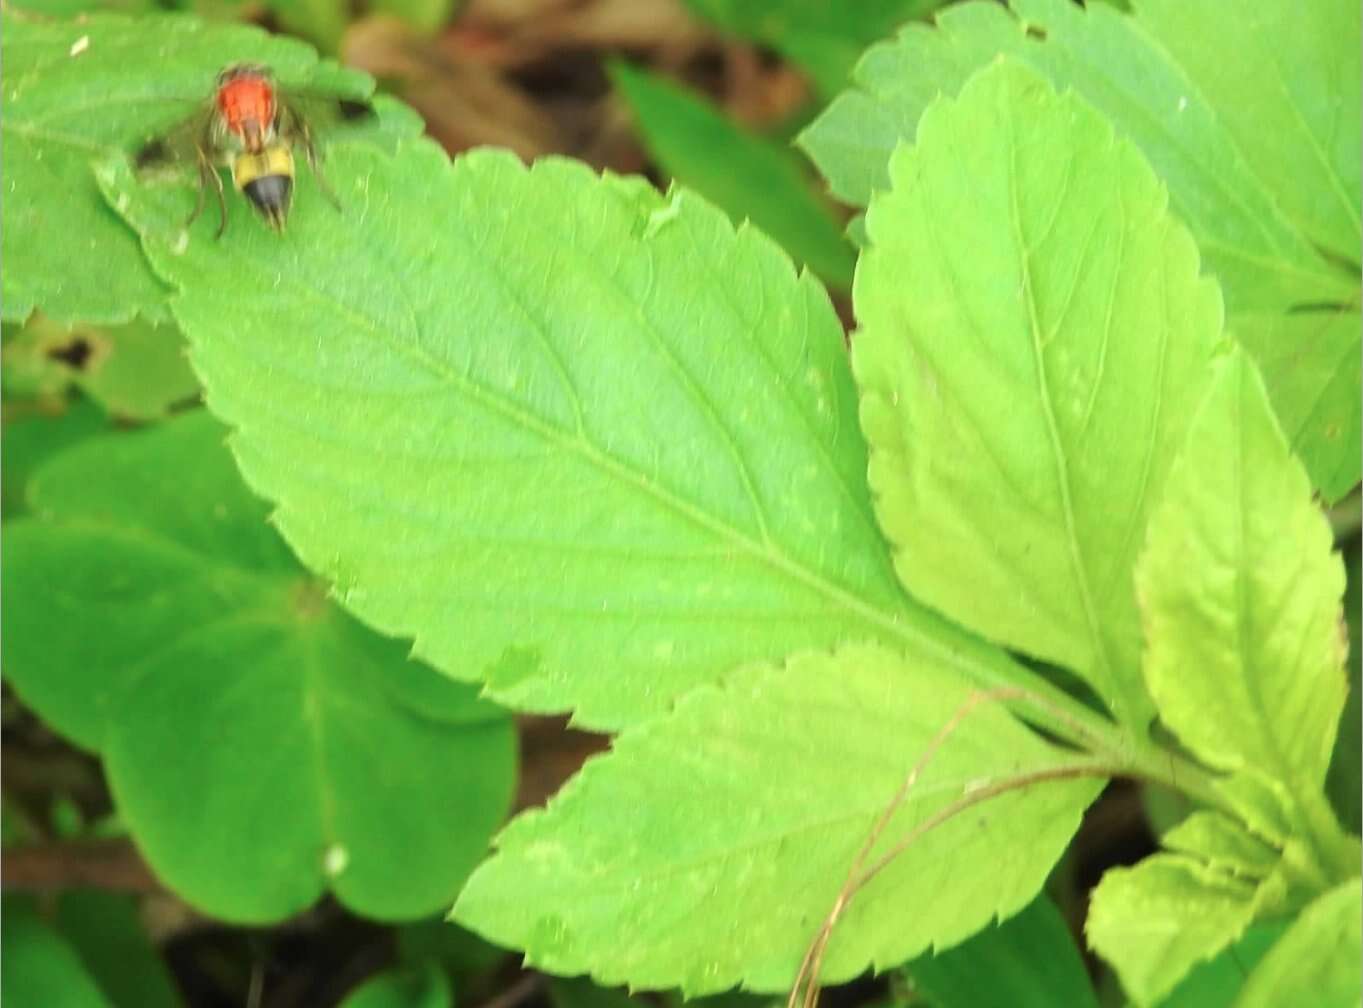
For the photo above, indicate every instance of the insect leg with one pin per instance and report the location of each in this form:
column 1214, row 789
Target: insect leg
column 299, row 129
column 222, row 200
column 198, row 203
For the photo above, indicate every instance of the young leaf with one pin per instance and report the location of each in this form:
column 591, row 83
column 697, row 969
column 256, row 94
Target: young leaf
column 743, row 174
column 76, row 91
column 1027, row 382
column 1223, row 844
column 1317, row 961
column 583, row 441
column 1027, row 961
column 823, row 38
column 38, row 967
column 772, row 783
column 1267, row 267
column 260, row 744
column 1240, row 594
column 1155, row 921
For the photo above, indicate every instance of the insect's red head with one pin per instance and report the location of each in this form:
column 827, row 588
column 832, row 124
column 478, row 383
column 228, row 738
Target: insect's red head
column 246, row 102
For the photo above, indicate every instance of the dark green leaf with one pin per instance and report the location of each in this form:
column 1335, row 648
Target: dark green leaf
column 744, row 175
column 1028, row 961
column 210, row 665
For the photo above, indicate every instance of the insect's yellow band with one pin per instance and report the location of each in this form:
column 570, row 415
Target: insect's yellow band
column 274, row 160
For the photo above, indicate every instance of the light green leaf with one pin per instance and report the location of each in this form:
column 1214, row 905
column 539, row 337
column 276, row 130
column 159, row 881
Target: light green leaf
column 730, row 877
column 1290, row 99
column 113, row 944
column 743, row 174
column 1223, row 844
column 38, row 967
column 210, row 664
column 590, row 444
column 1266, row 266
column 1344, row 781
column 74, row 92
column 1317, row 961
column 403, row 988
column 1240, row 594
column 1028, row 961
column 1155, row 921
column 1026, row 385
column 824, row 38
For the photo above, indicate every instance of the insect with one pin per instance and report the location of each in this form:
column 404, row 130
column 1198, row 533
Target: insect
column 251, row 126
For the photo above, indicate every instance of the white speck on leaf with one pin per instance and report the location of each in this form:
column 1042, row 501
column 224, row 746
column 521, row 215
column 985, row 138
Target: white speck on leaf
column 1182, row 102
column 80, row 45
column 336, row 860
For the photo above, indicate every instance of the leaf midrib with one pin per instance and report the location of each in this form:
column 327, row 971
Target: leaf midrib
column 976, row 666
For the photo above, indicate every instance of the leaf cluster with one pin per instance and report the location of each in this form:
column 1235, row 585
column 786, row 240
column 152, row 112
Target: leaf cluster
column 871, row 629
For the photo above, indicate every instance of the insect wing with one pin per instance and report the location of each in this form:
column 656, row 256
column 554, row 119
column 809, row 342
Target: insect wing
column 312, row 114
column 182, row 144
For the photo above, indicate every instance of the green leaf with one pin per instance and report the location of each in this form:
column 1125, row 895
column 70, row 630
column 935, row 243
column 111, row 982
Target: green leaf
column 1290, row 99
column 744, row 175
column 1217, row 982
column 1223, row 844
column 1026, row 385
column 591, row 444
column 1317, row 961
column 772, row 783
column 1155, row 921
column 1240, row 594
column 1267, row 267
column 38, row 967
column 1309, row 360
column 824, row 38
column 75, row 91
column 113, row 944
column 30, row 440
column 1344, row 781
column 1028, row 961
column 403, row 988
column 210, row 664
column 136, row 371
column 140, row 372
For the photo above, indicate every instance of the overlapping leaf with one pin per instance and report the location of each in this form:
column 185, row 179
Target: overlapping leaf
column 1202, row 127
column 531, row 418
column 77, row 90
column 1240, row 593
column 1035, row 338
column 1317, row 961
column 260, row 744
column 1027, row 961
column 771, row 784
column 1155, row 921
